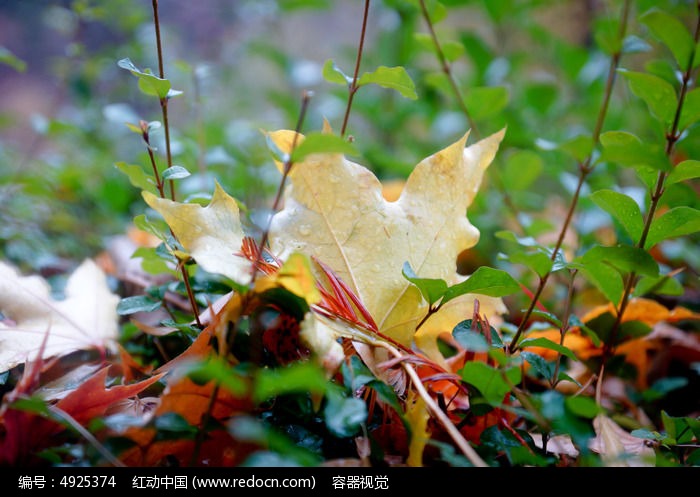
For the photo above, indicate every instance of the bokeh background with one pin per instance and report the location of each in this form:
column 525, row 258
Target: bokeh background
column 242, row 67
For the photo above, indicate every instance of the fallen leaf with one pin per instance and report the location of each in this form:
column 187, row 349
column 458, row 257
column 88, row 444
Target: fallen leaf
column 212, row 235
column 194, row 403
column 25, row 433
column 557, row 444
column 85, row 319
column 636, row 351
column 335, row 212
column 417, row 416
column 619, row 448
column 647, row 311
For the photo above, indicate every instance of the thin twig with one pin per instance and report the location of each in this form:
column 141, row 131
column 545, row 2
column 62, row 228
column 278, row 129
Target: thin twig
column 352, row 88
column 671, row 138
column 445, row 66
column 585, row 168
column 163, row 100
column 164, row 111
column 63, row 415
column 306, row 96
column 442, row 418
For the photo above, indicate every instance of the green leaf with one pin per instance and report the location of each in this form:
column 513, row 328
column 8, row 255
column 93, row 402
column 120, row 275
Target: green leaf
column 672, row 32
column 633, row 329
column 152, row 85
column 218, row 371
column 436, row 10
column 155, row 227
column 296, row 378
column 10, row 59
column 586, row 407
column 548, row 317
column 486, row 101
column 627, row 149
column 137, row 303
column 527, row 241
column 678, row 221
column 580, row 147
column 359, row 375
column 175, row 423
column 659, row 285
column 432, row 289
column 597, row 272
column 395, row 78
column 438, row 81
column 546, row 343
column 316, row 143
column 452, row 50
column 333, row 74
column 344, row 415
column 539, row 262
column 623, row 209
column 470, row 339
column 175, row 172
column 657, row 93
column 541, row 365
column 151, row 262
column 521, row 169
column 484, row 281
column 249, row 429
column 606, row 35
column 688, row 169
column 625, row 259
column 137, row 176
column 147, row 81
column 463, row 333
column 489, row 380
column 662, row 387
column 690, row 113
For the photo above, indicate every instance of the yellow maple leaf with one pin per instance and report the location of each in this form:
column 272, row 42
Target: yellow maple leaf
column 335, row 211
column 212, row 235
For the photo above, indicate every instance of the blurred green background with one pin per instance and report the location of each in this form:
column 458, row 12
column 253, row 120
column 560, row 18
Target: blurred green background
column 536, row 66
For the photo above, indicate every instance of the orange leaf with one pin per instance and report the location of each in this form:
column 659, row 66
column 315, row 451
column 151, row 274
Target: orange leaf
column 92, row 399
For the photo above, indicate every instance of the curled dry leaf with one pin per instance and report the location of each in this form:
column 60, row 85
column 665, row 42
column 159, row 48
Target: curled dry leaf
column 85, row 319
column 619, row 448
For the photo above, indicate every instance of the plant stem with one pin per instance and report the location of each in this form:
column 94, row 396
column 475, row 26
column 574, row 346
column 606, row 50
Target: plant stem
column 445, row 66
column 61, row 414
column 655, row 196
column 352, row 89
column 204, row 422
column 152, row 158
column 585, row 168
column 163, row 100
column 169, row 158
column 451, row 429
column 564, row 328
column 306, row 96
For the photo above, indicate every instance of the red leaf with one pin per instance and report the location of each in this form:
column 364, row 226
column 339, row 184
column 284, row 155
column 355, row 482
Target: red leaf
column 92, row 399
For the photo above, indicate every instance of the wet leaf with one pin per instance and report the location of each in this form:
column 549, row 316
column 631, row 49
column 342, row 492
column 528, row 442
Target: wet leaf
column 85, row 319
